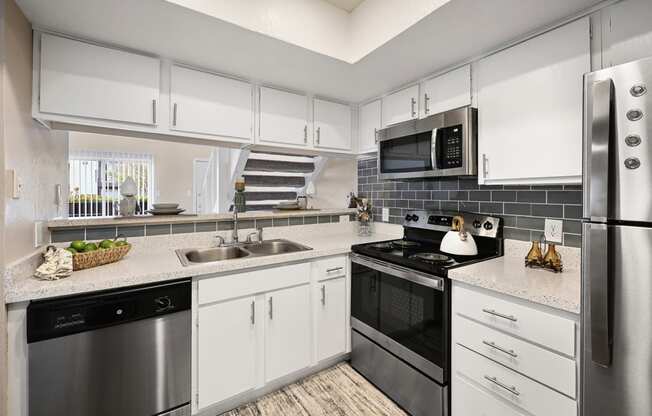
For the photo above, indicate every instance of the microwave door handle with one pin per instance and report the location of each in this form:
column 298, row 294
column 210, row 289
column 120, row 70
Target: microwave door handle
column 433, row 151
column 598, row 272
column 599, row 128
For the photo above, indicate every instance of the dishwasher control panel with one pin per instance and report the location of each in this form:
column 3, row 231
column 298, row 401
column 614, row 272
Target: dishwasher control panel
column 55, row 318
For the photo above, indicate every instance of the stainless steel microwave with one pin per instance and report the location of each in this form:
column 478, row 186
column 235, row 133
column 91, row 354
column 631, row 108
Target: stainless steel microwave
column 443, row 144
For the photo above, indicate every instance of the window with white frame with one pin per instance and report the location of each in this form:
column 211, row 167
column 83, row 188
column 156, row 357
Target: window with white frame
column 95, row 179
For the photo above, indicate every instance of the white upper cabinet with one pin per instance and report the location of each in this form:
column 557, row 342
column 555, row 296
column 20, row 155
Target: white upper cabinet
column 80, row 79
column 283, row 117
column 369, row 124
column 401, row 106
column 530, row 109
column 446, row 92
column 332, row 124
column 205, row 103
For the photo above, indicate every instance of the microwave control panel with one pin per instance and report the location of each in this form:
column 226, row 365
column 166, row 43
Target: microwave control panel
column 450, row 150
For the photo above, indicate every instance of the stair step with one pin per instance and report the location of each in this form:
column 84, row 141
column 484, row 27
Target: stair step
column 262, row 196
column 278, row 166
column 265, row 180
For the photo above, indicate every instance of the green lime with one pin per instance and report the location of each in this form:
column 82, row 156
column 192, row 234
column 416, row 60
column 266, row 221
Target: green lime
column 121, row 243
column 90, row 247
column 107, row 244
column 78, row 245
column 72, row 250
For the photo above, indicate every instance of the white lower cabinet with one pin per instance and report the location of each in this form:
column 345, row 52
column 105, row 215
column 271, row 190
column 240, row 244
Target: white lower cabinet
column 331, row 318
column 510, row 370
column 287, row 331
column 227, row 347
column 263, row 327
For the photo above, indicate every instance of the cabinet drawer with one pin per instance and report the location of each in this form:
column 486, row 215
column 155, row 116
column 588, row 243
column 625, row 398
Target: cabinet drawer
column 330, row 268
column 469, row 400
column 543, row 328
column 241, row 284
column 540, row 364
column 513, row 387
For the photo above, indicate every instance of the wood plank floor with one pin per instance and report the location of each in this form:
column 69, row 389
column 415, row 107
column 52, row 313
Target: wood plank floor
column 339, row 390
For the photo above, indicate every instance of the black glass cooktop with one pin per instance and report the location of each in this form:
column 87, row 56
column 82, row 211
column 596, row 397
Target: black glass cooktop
column 418, row 255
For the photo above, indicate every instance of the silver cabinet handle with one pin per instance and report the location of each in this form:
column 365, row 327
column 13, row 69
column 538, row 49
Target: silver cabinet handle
column 511, row 389
column 174, row 114
column 414, row 103
column 253, row 312
column 499, row 348
column 426, row 102
column 305, row 134
column 376, row 136
column 334, row 269
column 271, row 308
column 323, row 295
column 318, row 134
column 154, row 111
column 500, row 315
column 485, row 170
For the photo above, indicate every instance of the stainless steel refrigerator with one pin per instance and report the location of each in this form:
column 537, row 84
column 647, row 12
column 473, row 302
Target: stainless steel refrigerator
column 617, row 242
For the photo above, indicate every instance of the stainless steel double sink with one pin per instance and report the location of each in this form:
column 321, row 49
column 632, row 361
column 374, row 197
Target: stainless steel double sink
column 190, row 256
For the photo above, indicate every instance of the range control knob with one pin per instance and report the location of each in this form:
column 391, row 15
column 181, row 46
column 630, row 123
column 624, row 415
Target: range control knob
column 163, row 302
column 408, row 217
column 488, row 226
column 477, row 224
column 415, row 217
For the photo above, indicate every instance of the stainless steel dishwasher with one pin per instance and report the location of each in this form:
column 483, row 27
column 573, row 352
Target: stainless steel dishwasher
column 123, row 352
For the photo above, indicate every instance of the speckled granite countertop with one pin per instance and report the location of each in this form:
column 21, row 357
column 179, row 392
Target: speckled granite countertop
column 509, row 276
column 152, row 259
column 166, row 219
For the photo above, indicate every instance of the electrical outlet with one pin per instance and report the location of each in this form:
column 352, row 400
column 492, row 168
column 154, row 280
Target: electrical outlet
column 553, row 231
column 385, row 214
column 40, row 233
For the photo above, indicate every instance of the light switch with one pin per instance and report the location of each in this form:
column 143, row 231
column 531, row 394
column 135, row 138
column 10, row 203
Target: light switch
column 385, row 214
column 554, row 231
column 15, row 184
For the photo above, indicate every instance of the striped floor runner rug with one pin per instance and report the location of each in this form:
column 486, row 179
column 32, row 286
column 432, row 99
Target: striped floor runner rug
column 337, row 391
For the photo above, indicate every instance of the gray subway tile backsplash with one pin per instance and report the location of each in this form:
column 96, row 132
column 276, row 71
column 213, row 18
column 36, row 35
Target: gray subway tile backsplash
column 183, row 228
column 132, row 231
column 524, row 208
column 158, row 229
column 101, row 233
column 65, row 235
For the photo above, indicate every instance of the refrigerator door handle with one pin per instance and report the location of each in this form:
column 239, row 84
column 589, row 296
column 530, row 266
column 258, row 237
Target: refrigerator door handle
column 597, row 244
column 599, row 127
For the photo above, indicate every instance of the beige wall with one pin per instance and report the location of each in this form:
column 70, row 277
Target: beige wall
column 3, row 310
column 173, row 162
column 337, row 179
column 37, row 154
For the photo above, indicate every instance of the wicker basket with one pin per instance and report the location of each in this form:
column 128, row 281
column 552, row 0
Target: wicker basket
column 81, row 261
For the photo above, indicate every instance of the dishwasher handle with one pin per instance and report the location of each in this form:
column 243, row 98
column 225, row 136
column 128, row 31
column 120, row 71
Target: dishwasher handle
column 74, row 314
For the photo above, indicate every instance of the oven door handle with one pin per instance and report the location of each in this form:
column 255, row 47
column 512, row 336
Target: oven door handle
column 422, row 279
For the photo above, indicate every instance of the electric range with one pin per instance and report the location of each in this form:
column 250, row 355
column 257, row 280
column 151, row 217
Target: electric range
column 400, row 307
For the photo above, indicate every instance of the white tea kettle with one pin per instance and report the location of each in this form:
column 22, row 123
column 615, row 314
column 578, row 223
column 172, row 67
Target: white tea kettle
column 457, row 241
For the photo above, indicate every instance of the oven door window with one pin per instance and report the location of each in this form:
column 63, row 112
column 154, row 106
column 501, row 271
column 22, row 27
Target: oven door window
column 407, row 154
column 414, row 316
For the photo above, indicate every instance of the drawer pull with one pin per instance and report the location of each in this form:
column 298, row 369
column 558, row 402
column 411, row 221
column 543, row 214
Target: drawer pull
column 500, row 315
column 499, row 348
column 511, row 389
column 334, row 269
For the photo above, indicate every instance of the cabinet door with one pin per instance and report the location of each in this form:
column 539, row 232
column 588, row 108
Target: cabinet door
column 401, row 106
column 370, row 123
column 530, row 109
column 210, row 104
column 332, row 125
column 283, row 117
column 446, row 92
column 287, row 331
column 331, row 318
column 226, row 363
column 84, row 80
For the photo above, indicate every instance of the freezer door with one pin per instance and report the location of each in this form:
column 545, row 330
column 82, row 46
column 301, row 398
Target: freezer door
column 618, row 143
column 617, row 320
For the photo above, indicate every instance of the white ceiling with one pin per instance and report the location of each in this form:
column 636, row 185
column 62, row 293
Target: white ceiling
column 454, row 32
column 347, row 5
